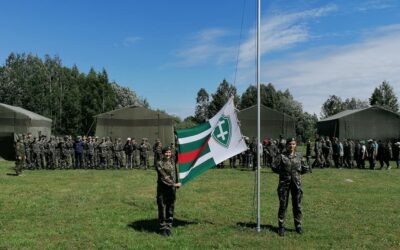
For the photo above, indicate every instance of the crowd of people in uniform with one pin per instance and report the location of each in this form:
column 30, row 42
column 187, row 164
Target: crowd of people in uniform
column 326, row 153
column 349, row 153
column 34, row 153
column 93, row 153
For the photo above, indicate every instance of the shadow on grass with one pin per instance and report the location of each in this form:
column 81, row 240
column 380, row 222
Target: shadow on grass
column 253, row 225
column 152, row 226
column 12, row 174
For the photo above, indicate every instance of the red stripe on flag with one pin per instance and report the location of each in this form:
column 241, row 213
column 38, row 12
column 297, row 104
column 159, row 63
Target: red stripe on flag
column 192, row 155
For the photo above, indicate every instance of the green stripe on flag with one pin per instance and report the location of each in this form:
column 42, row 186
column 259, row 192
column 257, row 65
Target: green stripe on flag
column 191, row 146
column 186, row 166
column 199, row 170
column 182, row 133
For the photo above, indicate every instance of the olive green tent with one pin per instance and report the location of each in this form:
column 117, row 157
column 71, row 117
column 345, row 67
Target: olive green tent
column 372, row 122
column 15, row 120
column 136, row 122
column 273, row 123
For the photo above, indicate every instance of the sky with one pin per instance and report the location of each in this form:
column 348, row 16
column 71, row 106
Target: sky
column 166, row 51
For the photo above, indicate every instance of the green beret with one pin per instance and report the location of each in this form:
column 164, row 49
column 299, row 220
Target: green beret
column 165, row 149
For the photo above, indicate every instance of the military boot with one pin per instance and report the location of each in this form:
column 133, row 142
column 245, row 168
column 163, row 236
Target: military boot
column 299, row 230
column 281, row 231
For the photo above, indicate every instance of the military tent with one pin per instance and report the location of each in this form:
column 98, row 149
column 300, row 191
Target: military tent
column 136, row 122
column 372, row 122
column 273, row 123
column 15, row 120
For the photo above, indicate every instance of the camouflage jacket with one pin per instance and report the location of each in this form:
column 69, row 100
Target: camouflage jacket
column 166, row 172
column 289, row 167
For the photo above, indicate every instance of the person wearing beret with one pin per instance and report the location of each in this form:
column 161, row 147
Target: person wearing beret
column 167, row 183
column 290, row 166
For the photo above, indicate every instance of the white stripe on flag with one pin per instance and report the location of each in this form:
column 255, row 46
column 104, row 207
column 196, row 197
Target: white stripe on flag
column 195, row 137
column 199, row 161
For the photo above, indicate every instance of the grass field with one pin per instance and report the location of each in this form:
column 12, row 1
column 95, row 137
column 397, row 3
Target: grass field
column 94, row 209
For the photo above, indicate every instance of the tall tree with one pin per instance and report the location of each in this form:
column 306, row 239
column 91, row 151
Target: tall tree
column 353, row 103
column 202, row 104
column 332, row 106
column 70, row 98
column 221, row 96
column 268, row 96
column 384, row 96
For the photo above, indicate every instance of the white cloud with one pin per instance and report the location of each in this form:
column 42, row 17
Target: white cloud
column 203, row 47
column 280, row 31
column 376, row 5
column 347, row 71
column 129, row 41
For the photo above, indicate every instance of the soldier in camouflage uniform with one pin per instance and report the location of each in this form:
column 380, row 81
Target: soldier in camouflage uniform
column 128, row 149
column 119, row 154
column 110, row 153
column 144, row 149
column 57, row 153
column 42, row 146
column 167, row 182
column 96, row 159
column 19, row 155
column 64, row 153
column 290, row 166
column 134, row 153
column 319, row 158
column 396, row 153
column 50, row 148
column 35, row 149
column 90, row 148
column 157, row 150
column 103, row 153
column 372, row 152
column 28, row 151
column 70, row 149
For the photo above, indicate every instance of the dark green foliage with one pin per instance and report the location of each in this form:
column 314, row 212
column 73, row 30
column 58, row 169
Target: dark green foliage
column 188, row 122
column 334, row 105
column 284, row 102
column 221, row 96
column 67, row 96
column 202, row 105
column 385, row 97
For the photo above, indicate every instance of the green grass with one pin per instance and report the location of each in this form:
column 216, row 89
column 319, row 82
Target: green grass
column 94, row 209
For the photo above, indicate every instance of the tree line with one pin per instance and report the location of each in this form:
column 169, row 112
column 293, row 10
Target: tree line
column 382, row 96
column 208, row 105
column 64, row 94
column 72, row 98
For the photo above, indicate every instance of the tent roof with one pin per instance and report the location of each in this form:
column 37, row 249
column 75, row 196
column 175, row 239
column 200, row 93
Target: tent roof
column 132, row 107
column 24, row 112
column 353, row 111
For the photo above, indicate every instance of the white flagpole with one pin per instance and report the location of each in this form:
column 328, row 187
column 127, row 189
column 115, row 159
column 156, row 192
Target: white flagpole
column 258, row 115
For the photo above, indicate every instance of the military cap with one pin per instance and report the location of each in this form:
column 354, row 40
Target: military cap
column 128, row 139
column 291, row 139
column 165, row 149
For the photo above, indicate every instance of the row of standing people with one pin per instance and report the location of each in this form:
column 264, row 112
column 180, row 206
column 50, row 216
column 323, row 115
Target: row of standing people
column 84, row 152
column 349, row 153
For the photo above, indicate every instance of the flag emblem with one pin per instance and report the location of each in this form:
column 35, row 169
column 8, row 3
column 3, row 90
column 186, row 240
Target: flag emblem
column 208, row 144
column 222, row 133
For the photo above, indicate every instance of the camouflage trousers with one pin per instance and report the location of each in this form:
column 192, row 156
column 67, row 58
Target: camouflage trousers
column 294, row 187
column 19, row 165
column 166, row 196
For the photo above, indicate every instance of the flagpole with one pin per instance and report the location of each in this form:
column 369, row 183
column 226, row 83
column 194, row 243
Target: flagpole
column 258, row 116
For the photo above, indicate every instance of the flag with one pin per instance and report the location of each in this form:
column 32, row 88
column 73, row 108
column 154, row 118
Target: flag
column 203, row 147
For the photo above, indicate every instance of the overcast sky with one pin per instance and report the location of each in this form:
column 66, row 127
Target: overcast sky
column 167, row 50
